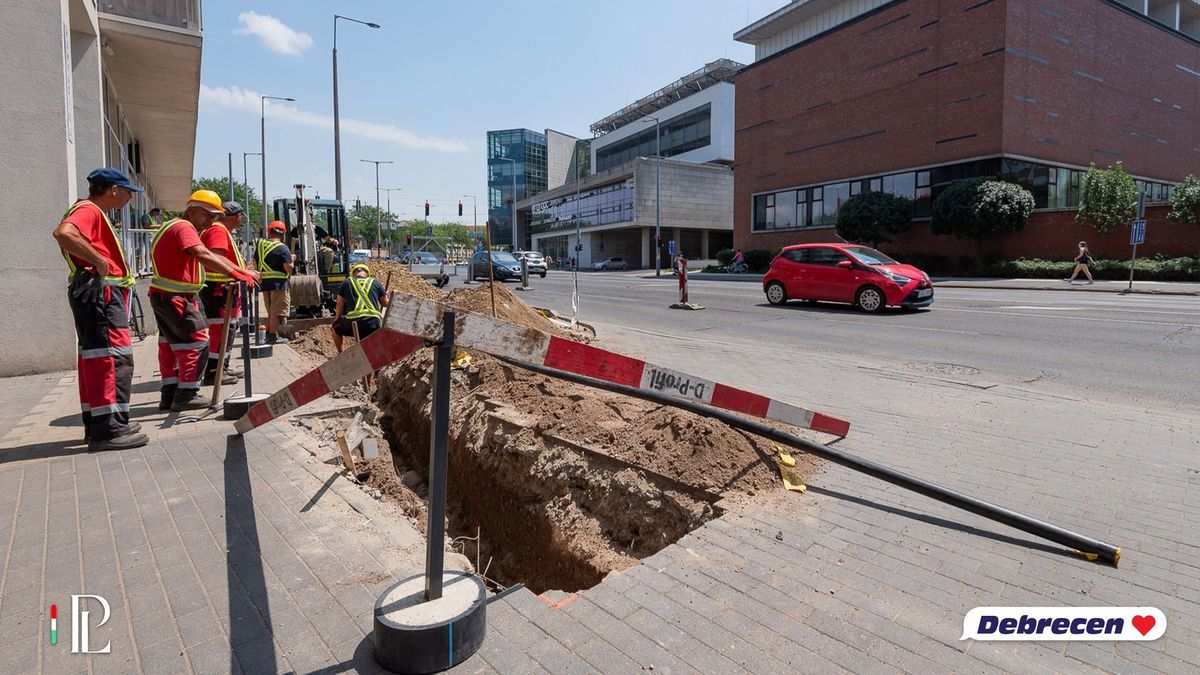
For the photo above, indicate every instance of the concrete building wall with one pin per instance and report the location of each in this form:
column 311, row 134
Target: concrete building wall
column 693, row 196
column 40, row 178
column 719, row 96
column 560, row 149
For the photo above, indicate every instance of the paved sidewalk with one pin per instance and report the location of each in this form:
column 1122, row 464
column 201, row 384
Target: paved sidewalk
column 216, row 553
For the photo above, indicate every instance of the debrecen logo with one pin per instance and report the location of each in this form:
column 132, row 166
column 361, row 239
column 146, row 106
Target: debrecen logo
column 1064, row 623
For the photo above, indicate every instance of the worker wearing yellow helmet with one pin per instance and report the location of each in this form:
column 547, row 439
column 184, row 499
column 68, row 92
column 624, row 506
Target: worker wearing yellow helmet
column 366, row 297
column 178, row 259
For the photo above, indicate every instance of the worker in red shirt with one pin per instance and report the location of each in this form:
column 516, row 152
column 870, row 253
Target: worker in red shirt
column 217, row 238
column 179, row 259
column 99, row 300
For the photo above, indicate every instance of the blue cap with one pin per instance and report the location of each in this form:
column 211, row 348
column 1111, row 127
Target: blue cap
column 108, row 177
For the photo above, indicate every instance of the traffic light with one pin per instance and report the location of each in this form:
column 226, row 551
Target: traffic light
column 460, row 208
column 426, row 209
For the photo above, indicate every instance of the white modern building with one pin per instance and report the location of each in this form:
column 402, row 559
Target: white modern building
column 660, row 179
column 88, row 83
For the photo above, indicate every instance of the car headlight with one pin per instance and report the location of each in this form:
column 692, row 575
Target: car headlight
column 899, row 279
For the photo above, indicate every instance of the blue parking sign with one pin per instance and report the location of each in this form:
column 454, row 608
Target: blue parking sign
column 1137, row 235
column 671, row 247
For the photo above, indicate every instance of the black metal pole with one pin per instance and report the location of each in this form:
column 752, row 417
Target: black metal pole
column 439, row 443
column 246, row 320
column 1085, row 545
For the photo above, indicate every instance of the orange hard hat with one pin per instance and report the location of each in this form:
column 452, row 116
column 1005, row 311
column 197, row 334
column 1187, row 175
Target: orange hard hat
column 276, row 226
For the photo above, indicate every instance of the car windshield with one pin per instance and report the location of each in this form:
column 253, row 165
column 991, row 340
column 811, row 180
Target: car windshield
column 870, row 256
column 503, row 258
column 423, row 256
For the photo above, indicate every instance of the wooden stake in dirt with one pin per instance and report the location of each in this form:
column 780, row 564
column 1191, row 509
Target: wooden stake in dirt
column 216, row 396
column 487, row 240
column 348, row 440
column 366, row 381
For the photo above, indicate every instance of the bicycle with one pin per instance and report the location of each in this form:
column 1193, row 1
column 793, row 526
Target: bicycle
column 738, row 268
column 137, row 318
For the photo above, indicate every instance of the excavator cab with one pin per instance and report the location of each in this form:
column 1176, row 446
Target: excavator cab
column 317, row 235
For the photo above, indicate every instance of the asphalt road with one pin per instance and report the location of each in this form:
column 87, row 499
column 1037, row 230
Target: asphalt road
column 1137, row 349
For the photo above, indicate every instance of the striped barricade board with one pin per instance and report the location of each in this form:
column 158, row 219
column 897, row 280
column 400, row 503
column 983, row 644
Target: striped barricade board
column 413, row 321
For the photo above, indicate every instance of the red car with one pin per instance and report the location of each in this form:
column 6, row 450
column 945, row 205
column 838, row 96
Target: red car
column 845, row 273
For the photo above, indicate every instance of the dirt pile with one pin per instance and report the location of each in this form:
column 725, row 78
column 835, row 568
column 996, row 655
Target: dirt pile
column 403, row 281
column 509, row 307
column 566, row 483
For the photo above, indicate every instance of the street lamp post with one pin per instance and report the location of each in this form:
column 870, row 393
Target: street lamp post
column 513, row 224
column 391, row 223
column 337, row 135
column 378, row 226
column 246, row 238
column 474, row 210
column 657, row 195
column 263, row 127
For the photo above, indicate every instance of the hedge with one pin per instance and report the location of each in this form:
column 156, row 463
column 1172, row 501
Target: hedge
column 1145, row 269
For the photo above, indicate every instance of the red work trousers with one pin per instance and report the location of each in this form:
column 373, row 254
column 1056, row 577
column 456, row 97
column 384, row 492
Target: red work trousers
column 182, row 339
column 105, row 361
column 212, row 297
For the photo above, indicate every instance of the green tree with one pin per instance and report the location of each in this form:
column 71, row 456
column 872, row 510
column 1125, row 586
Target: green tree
column 874, row 217
column 1108, row 197
column 979, row 208
column 1185, row 202
column 252, row 204
column 363, row 224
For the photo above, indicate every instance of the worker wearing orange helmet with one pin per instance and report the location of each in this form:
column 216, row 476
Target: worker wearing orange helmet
column 275, row 264
column 178, row 259
column 218, row 239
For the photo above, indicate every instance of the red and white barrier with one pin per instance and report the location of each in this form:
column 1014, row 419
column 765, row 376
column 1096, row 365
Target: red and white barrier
column 413, row 321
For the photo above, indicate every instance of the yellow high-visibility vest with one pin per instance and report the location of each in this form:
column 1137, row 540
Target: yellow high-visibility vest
column 126, row 281
column 363, row 305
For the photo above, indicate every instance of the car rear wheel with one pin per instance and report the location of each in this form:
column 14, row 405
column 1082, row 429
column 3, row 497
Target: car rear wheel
column 776, row 295
column 870, row 299
column 624, row 266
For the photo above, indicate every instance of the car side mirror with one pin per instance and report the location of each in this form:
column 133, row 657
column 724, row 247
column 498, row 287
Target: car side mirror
column 846, row 264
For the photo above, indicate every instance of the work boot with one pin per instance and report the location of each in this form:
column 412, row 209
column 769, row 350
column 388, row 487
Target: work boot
column 166, row 396
column 131, row 428
column 210, row 378
column 234, row 372
column 274, row 339
column 188, row 399
column 118, row 442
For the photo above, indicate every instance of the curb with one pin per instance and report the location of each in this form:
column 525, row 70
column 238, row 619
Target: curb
column 1078, row 288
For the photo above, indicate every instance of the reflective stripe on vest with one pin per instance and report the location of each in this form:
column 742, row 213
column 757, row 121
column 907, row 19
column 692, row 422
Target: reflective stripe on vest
column 229, row 245
column 167, row 284
column 363, row 305
column 265, row 246
column 126, row 281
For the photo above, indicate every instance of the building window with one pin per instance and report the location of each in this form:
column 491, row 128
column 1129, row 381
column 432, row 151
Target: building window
column 680, row 134
column 785, row 210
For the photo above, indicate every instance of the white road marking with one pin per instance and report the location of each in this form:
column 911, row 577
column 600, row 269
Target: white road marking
column 1071, row 318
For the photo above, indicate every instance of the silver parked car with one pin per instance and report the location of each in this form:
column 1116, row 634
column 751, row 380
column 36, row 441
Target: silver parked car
column 614, row 263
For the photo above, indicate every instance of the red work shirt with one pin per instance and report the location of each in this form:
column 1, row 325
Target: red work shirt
column 218, row 240
column 170, row 260
column 93, row 224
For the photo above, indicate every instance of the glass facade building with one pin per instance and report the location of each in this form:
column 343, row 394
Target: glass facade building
column 527, row 151
column 683, row 133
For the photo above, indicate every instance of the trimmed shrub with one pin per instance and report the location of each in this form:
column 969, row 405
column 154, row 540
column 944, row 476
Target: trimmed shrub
column 724, row 256
column 1108, row 198
column 1157, row 268
column 758, row 259
column 874, row 217
column 979, row 208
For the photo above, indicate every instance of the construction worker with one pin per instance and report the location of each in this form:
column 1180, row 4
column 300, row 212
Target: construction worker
column 217, row 238
column 99, row 288
column 275, row 265
column 366, row 297
column 179, row 259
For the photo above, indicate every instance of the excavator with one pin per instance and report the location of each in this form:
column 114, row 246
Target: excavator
column 317, row 235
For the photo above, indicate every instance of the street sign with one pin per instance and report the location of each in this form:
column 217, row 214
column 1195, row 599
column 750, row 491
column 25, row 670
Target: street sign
column 671, row 247
column 429, row 231
column 1137, row 234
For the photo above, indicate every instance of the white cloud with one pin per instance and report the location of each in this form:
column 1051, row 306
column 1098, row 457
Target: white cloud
column 275, row 34
column 236, row 98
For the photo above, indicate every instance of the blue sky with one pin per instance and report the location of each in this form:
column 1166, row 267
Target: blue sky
column 424, row 89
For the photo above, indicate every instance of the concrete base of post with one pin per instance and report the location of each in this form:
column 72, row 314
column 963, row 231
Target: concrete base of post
column 413, row 635
column 237, row 406
column 686, row 305
column 263, row 351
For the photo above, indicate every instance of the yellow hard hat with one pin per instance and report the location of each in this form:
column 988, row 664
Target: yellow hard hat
column 362, row 266
column 208, row 200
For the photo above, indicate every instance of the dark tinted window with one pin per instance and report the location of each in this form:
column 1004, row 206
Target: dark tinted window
column 800, row 255
column 829, row 257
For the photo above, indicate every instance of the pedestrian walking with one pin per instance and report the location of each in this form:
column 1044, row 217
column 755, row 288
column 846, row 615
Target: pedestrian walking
column 1082, row 263
column 366, row 298
column 98, row 294
column 179, row 259
column 275, row 265
column 218, row 239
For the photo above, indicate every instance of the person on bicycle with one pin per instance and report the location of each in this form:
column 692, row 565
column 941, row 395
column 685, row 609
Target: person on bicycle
column 179, row 260
column 98, row 294
column 218, row 239
column 738, row 264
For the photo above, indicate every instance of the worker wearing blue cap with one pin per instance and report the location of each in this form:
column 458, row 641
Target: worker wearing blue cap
column 99, row 288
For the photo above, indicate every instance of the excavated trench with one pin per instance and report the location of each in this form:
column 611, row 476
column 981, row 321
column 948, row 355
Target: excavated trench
column 564, row 484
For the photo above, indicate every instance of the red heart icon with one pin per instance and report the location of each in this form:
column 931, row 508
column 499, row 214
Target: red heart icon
column 1143, row 623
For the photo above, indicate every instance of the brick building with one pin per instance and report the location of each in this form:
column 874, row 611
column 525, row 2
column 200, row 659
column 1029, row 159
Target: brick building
column 909, row 95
